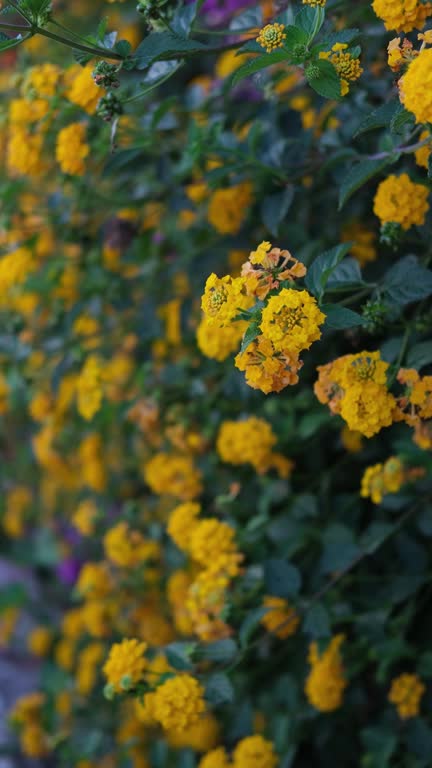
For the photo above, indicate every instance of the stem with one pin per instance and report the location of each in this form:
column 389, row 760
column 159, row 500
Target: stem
column 401, row 150
column 14, row 27
column 137, row 96
column 97, row 52
column 74, row 34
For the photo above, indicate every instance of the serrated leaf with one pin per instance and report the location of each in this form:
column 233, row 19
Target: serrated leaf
column 378, row 118
column 358, row 175
column 338, row 317
column 346, row 274
column 179, row 654
column 401, row 119
column 407, row 281
column 341, row 36
column 258, row 64
column 320, row 270
column 323, row 78
column 281, row 578
column 219, row 689
column 275, row 207
column 160, row 45
column 310, row 20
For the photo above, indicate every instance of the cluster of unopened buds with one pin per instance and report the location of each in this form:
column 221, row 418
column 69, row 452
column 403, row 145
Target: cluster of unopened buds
column 105, row 75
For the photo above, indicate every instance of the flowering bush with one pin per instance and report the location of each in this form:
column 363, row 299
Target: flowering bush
column 216, row 381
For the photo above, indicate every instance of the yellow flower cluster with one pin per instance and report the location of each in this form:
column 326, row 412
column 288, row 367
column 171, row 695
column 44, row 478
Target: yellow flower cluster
column 326, row 682
column 315, row 3
column 125, row 665
column 280, row 619
column 178, row 703
column 82, row 89
column 272, row 36
column 90, row 388
column 291, row 321
column 128, row 548
column 402, row 201
column 405, row 693
column 220, row 342
column 416, row 86
column 27, row 716
column 355, row 386
column 363, row 239
column 345, row 64
column 72, row 149
column 223, row 299
column 228, row 208
column 381, row 479
column 415, row 405
column 250, row 752
column 402, row 15
column 173, row 475
column 198, row 604
column 423, row 154
column 251, row 441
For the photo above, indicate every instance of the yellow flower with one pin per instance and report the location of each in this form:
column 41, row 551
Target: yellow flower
column 422, row 155
column 347, row 67
column 405, row 693
column 217, row 758
column 291, row 320
column 228, row 208
column 381, row 479
column 39, row 641
column 87, row 667
column 272, row 36
column 416, row 87
column 280, row 619
column 182, row 522
column 43, row 79
column 266, row 369
column 402, row 15
column 249, row 441
column 85, row 516
column 82, row 90
column 89, row 388
column 254, row 752
column 173, row 475
column 223, row 299
column 24, row 153
column 201, row 736
column 218, row 342
column 402, row 201
column 363, row 248
column 315, row 3
column 209, row 539
column 125, row 665
column 326, row 683
column 178, row 703
column 72, row 149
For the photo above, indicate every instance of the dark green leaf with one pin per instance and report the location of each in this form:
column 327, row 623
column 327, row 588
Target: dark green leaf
column 346, row 274
column 338, row 317
column 251, row 333
column 184, row 17
column 323, row 78
column 221, row 650
column 339, row 548
column 257, row 64
column 317, row 621
column 310, row 20
column 401, row 119
column 219, row 689
column 341, row 36
column 419, row 738
column 380, row 745
column 249, row 18
column 358, row 175
column 123, row 47
column 179, row 654
column 7, row 43
column 407, row 281
column 13, row 596
column 420, row 355
column 162, row 45
column 319, row 272
column 281, row 578
column 275, row 207
column 378, row 118
column 294, row 36
column 250, row 624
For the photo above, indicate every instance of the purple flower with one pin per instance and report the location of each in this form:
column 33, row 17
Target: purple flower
column 67, row 571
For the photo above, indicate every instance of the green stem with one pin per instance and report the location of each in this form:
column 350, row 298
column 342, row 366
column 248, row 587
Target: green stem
column 99, row 53
column 137, row 96
column 75, row 35
column 14, row 27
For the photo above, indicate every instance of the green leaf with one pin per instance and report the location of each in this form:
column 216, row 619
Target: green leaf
column 420, row 355
column 179, row 654
column 221, row 650
column 339, row 548
column 419, row 739
column 323, row 78
column 319, row 272
column 252, row 332
column 219, row 689
column 257, row 64
column 378, row 118
column 294, row 36
column 407, row 281
column 275, row 207
column 184, row 18
column 338, row 317
column 341, row 36
column 250, row 624
column 281, row 578
column 317, row 622
column 380, row 745
column 123, row 47
column 401, row 119
column 161, row 45
column 310, row 20
column 358, row 175
column 346, row 274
